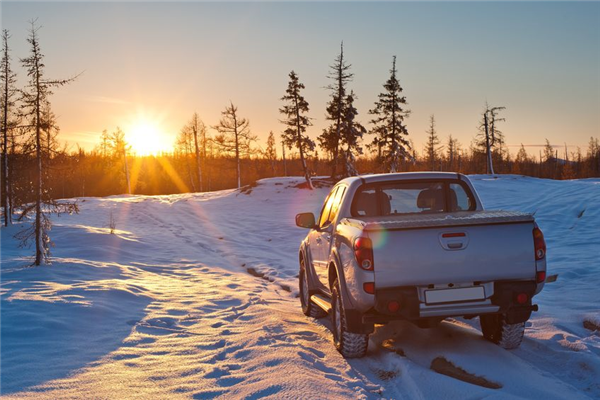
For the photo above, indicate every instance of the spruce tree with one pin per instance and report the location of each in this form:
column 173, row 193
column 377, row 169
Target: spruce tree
column 432, row 147
column 350, row 134
column 330, row 139
column 8, row 81
column 33, row 99
column 452, row 149
column 295, row 133
column 271, row 151
column 388, row 123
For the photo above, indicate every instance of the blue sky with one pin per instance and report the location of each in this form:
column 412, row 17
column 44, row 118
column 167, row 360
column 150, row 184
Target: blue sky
column 163, row 61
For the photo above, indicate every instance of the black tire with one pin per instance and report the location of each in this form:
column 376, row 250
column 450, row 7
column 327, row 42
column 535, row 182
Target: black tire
column 350, row 345
column 495, row 329
column 309, row 308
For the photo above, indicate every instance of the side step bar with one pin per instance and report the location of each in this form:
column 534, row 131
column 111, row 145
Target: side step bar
column 322, row 302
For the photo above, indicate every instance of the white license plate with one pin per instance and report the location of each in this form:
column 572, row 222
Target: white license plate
column 459, row 294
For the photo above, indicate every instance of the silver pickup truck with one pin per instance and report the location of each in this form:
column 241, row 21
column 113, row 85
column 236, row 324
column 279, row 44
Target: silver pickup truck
column 418, row 247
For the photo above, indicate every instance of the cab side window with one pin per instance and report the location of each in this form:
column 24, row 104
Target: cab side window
column 336, row 204
column 459, row 199
column 332, row 206
column 327, row 207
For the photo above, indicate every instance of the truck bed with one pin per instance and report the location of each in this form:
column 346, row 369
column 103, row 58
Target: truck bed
column 457, row 248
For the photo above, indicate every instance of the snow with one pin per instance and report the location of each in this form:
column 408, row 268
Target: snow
column 172, row 304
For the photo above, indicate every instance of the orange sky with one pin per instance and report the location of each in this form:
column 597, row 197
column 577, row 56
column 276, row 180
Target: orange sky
column 154, row 64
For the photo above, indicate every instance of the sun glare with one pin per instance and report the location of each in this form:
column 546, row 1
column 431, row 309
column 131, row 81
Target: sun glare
column 147, row 138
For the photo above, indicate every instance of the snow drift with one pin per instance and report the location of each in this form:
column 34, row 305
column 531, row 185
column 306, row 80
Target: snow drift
column 194, row 296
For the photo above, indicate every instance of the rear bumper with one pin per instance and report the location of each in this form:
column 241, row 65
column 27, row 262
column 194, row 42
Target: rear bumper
column 504, row 300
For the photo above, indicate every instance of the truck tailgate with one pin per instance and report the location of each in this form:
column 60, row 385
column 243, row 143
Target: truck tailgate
column 459, row 248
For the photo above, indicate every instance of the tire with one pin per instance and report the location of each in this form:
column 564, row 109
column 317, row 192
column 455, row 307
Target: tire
column 495, row 329
column 350, row 345
column 309, row 308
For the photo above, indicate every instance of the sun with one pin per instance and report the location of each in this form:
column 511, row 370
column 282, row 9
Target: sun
column 147, row 138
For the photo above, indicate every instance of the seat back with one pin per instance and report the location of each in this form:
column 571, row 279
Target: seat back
column 431, row 200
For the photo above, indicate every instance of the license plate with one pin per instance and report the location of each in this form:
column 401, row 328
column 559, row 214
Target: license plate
column 450, row 295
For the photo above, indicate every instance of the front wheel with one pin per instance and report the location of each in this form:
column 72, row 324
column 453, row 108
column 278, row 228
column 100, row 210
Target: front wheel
column 350, row 345
column 495, row 329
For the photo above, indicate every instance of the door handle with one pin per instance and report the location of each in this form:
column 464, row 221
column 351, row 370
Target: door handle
column 318, row 240
column 455, row 245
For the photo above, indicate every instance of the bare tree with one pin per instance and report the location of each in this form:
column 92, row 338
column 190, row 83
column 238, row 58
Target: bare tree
column 235, row 135
column 33, row 99
column 120, row 148
column 296, row 123
column 197, row 130
column 183, row 145
column 8, row 80
column 492, row 137
column 283, row 155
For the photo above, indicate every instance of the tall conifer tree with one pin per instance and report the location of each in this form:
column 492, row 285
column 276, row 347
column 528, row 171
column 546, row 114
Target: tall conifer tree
column 330, row 139
column 388, row 123
column 296, row 122
column 8, row 81
column 351, row 133
column 271, row 151
column 34, row 98
column 432, row 147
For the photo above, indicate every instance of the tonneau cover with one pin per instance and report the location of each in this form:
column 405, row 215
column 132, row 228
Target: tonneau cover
column 461, row 218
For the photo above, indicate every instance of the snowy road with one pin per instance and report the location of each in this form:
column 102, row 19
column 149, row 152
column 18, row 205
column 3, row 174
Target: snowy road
column 165, row 307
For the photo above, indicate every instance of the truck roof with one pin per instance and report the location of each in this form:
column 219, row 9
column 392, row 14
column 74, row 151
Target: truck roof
column 371, row 178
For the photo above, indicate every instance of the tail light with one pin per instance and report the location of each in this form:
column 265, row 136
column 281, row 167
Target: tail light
column 363, row 251
column 539, row 244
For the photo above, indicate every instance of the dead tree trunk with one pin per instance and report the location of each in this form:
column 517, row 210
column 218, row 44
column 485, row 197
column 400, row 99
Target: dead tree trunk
column 126, row 170
column 490, row 166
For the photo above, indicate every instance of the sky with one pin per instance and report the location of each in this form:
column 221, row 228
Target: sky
column 155, row 64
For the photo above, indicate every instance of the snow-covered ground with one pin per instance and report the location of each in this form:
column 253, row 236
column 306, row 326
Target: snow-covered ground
column 194, row 296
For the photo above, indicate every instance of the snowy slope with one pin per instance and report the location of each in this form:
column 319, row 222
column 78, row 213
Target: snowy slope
column 172, row 305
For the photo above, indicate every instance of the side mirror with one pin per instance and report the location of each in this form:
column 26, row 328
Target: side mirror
column 305, row 220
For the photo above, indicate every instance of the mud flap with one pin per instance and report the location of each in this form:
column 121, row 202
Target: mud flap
column 505, row 296
column 355, row 324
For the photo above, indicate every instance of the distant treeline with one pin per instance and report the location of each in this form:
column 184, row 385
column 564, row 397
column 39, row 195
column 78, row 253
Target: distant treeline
column 102, row 173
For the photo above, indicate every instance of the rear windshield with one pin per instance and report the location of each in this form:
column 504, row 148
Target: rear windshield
column 411, row 197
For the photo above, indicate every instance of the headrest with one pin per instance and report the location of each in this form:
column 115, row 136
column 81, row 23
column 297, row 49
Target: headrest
column 366, row 205
column 432, row 199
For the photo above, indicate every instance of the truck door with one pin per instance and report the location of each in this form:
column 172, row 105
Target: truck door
column 321, row 238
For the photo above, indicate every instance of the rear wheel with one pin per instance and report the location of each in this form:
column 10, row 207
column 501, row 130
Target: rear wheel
column 309, row 308
column 495, row 329
column 350, row 345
